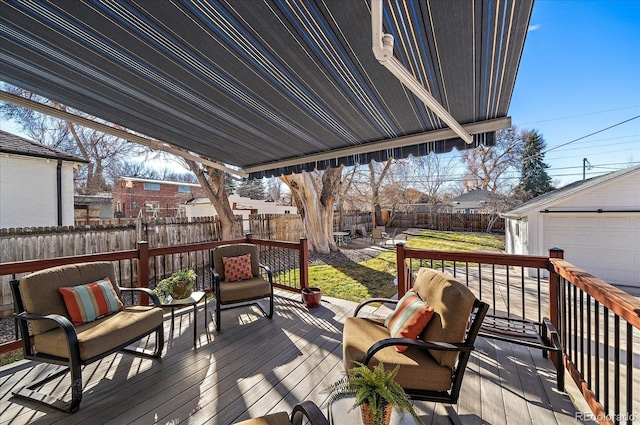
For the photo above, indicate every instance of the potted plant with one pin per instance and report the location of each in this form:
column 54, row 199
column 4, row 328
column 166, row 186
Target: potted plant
column 311, row 297
column 375, row 391
column 177, row 286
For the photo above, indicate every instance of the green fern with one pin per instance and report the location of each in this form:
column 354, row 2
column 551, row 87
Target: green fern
column 377, row 388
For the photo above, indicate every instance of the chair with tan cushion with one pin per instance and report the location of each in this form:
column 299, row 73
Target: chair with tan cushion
column 305, row 410
column 41, row 307
column 247, row 286
column 433, row 365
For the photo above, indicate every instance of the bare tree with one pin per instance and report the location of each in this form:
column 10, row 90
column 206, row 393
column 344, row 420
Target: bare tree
column 314, row 194
column 101, row 150
column 214, row 184
column 377, row 173
column 486, row 166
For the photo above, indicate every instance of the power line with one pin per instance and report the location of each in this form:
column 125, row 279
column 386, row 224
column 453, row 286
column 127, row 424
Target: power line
column 591, row 134
column 581, row 115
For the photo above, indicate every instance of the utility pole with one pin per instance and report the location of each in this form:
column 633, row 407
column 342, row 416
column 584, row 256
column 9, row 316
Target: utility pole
column 585, row 163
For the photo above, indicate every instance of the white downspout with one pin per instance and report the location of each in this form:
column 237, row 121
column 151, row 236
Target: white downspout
column 382, row 45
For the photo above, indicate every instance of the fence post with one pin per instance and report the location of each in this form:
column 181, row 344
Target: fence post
column 304, row 264
column 143, row 270
column 554, row 289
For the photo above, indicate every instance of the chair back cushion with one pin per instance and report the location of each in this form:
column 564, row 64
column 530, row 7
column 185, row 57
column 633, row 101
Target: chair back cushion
column 235, row 250
column 40, row 290
column 452, row 303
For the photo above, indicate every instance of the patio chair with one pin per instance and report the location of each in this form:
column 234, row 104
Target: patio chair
column 240, row 281
column 377, row 235
column 432, row 360
column 305, row 410
column 76, row 318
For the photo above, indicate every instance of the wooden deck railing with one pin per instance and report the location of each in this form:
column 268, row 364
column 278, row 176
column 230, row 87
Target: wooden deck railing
column 599, row 325
column 145, row 267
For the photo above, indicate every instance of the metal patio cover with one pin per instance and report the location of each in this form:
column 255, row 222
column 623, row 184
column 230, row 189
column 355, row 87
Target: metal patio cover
column 254, row 83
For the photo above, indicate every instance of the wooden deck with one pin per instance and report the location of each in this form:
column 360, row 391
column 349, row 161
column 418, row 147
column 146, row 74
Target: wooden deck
column 256, row 366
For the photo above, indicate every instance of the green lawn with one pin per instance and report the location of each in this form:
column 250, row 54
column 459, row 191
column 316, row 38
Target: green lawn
column 374, row 278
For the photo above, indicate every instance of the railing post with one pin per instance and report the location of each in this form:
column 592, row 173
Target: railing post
column 304, row 263
column 403, row 280
column 143, row 270
column 554, row 289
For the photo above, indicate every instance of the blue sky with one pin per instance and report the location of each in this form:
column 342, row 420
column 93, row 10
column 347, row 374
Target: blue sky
column 579, row 74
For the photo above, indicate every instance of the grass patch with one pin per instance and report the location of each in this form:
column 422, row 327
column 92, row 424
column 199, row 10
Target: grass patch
column 10, row 357
column 456, row 241
column 375, row 277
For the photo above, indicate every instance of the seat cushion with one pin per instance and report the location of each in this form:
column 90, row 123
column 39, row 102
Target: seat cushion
column 244, row 290
column 234, row 250
column 452, row 303
column 418, row 370
column 280, row 418
column 104, row 334
column 40, row 290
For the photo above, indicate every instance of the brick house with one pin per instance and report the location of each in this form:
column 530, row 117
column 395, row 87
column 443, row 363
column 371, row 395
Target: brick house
column 136, row 197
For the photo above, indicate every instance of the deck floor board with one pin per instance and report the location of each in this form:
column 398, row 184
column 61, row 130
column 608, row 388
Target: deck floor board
column 255, row 366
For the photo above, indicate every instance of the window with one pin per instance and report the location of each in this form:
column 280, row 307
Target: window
column 152, row 186
column 184, row 189
column 152, row 206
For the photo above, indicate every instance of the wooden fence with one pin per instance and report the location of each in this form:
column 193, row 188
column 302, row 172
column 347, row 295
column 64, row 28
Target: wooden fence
column 457, row 222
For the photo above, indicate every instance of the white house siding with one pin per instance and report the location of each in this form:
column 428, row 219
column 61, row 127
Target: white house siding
column 28, row 192
column 604, row 245
column 202, row 207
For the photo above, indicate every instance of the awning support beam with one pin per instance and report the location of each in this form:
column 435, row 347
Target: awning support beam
column 414, row 139
column 107, row 129
column 382, row 45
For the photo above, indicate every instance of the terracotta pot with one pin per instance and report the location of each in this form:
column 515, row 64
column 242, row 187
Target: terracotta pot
column 367, row 414
column 311, row 297
column 180, row 290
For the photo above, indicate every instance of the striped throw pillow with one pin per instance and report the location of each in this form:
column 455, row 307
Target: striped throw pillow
column 409, row 318
column 86, row 303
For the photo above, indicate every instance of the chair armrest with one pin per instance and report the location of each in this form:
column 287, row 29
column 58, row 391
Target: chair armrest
column 61, row 322
column 373, row 300
column 149, row 292
column 418, row 343
column 309, row 410
column 267, row 270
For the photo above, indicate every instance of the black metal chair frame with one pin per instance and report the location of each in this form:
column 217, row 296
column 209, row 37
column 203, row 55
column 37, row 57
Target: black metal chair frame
column 238, row 303
column 540, row 335
column 464, row 348
column 74, row 363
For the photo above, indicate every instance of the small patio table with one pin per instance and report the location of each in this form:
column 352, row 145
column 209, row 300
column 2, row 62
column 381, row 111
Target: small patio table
column 192, row 300
column 340, row 237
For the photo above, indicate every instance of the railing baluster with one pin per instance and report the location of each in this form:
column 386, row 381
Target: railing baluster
column 605, row 381
column 630, row 409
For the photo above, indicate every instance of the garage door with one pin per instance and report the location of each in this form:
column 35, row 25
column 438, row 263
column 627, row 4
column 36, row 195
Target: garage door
column 604, row 245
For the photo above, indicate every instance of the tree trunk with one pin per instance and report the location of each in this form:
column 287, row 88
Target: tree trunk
column 375, row 191
column 213, row 184
column 315, row 202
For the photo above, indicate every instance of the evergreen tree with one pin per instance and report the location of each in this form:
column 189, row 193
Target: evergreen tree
column 253, row 189
column 534, row 180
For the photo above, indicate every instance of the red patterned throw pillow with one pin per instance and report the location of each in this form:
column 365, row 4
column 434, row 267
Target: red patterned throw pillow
column 86, row 303
column 409, row 318
column 237, row 268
